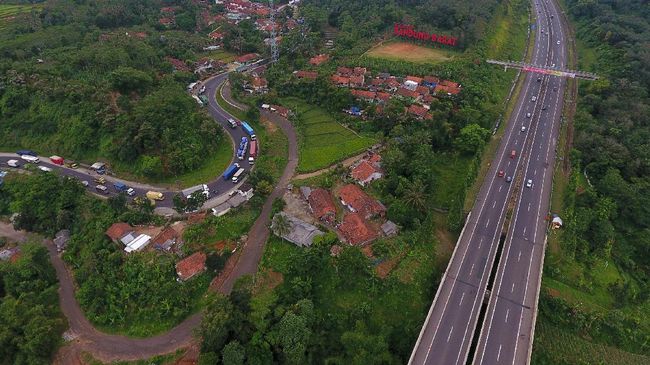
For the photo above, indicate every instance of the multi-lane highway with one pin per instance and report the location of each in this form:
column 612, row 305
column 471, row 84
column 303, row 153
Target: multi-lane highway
column 219, row 185
column 447, row 334
column 506, row 335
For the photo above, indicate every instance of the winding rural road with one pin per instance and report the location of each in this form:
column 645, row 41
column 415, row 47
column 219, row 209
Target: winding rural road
column 107, row 347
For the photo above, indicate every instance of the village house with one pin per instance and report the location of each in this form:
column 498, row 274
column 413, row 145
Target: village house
column 322, row 205
column 310, row 75
column 216, row 35
column 368, row 96
column 357, row 81
column 357, row 201
column 319, row 60
column 355, row 230
column 365, row 172
column 282, row 111
column 191, row 266
column 178, row 64
column 406, row 94
column 247, row 59
column 120, row 232
column 165, row 240
column 300, row 233
column 259, row 84
column 341, row 81
column 419, row 111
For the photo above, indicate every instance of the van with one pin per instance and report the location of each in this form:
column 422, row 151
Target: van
column 30, row 158
column 232, row 123
column 102, row 189
column 533, row 99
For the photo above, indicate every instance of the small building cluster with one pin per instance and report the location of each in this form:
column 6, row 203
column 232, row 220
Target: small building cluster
column 237, row 198
column 135, row 239
column 367, row 169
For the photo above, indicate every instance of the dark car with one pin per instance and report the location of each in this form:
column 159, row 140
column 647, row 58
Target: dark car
column 27, row 152
column 509, row 179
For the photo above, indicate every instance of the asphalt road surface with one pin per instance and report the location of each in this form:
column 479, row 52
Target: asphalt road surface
column 507, row 333
column 448, row 331
column 219, row 185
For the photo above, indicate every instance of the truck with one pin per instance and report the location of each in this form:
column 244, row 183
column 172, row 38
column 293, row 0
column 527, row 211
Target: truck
column 238, row 175
column 199, row 188
column 30, row 158
column 241, row 153
column 230, row 171
column 121, row 187
column 247, row 128
column 204, row 100
column 252, row 152
column 57, row 160
column 155, row 195
column 26, row 152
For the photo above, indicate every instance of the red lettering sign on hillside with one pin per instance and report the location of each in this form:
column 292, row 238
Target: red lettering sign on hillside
column 405, row 30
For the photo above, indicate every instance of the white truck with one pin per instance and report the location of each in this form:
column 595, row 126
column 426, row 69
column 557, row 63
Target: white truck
column 202, row 188
column 239, row 174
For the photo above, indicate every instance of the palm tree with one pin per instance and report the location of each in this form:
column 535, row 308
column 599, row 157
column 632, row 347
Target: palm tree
column 281, row 225
column 416, row 196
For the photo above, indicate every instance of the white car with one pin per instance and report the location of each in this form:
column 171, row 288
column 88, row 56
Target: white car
column 527, row 115
column 558, row 42
column 85, row 183
column 130, row 192
column 44, row 168
column 529, row 183
column 523, row 128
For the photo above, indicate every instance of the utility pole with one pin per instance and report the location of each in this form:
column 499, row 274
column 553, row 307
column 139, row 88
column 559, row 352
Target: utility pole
column 275, row 53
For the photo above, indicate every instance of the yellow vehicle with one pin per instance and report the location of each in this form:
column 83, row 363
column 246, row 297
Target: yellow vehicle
column 100, row 180
column 155, row 195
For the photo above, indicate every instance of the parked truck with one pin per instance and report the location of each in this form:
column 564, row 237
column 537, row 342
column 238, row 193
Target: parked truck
column 199, row 188
column 121, row 187
column 155, row 195
column 238, row 175
column 247, row 128
column 252, row 153
column 230, row 171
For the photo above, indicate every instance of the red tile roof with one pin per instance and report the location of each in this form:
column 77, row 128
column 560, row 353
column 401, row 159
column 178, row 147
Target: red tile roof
column 416, row 79
column 356, row 80
column 166, row 21
column 364, row 94
column 407, row 93
column 359, row 71
column 178, row 64
column 431, row 79
column 216, row 35
column 344, row 71
column 422, row 90
column 322, row 204
column 118, row 230
column 364, row 171
column 259, row 82
column 355, row 230
column 383, row 96
column 340, row 80
column 319, row 60
column 418, row 110
column 247, row 57
column 281, row 110
column 360, row 202
column 375, row 158
column 167, row 234
column 441, row 88
column 191, row 265
column 312, row 75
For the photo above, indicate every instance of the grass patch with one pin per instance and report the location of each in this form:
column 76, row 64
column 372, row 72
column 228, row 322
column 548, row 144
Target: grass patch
column 323, row 141
column 277, row 254
column 554, row 345
column 403, row 51
column 156, row 360
column 8, row 12
column 235, row 112
column 228, row 227
column 451, row 172
column 220, row 55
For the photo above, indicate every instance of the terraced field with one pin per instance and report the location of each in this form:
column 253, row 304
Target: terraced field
column 323, row 141
column 9, row 12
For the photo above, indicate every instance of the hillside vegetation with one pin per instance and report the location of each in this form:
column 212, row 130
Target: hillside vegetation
column 597, row 276
column 90, row 80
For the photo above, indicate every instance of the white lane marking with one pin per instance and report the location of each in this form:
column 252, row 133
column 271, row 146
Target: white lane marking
column 494, row 204
column 480, row 242
column 450, row 331
column 500, row 187
column 509, row 163
column 525, row 230
column 538, row 157
column 529, row 207
column 499, row 353
column 461, row 299
column 471, row 270
column 512, row 290
column 487, row 223
column 507, row 314
column 519, row 257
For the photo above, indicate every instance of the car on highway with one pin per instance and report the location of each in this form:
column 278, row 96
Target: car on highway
column 513, row 154
column 13, row 163
column 26, row 152
column 102, row 189
column 45, row 169
column 30, row 158
column 85, row 183
column 501, row 173
column 533, row 99
column 529, row 183
column 100, row 180
column 527, row 115
column 558, row 42
column 232, row 123
column 523, row 128
column 509, row 179
column 72, row 164
column 539, row 79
